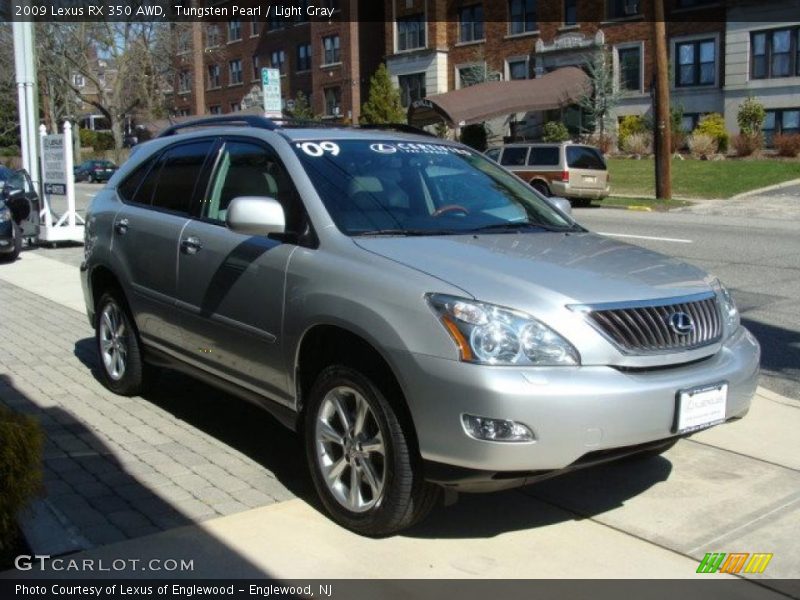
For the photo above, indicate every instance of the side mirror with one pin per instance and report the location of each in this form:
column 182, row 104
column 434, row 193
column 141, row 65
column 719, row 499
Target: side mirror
column 561, row 204
column 255, row 215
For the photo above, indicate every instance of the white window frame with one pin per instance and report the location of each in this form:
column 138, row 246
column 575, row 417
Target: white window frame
column 513, row 59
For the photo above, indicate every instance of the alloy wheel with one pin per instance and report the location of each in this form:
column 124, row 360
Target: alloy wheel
column 113, row 341
column 350, row 449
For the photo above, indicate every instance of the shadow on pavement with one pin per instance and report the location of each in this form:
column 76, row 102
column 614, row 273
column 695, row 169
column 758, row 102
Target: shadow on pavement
column 84, row 483
column 780, row 349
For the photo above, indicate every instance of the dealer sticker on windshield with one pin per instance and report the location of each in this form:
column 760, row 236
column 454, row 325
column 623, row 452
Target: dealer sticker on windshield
column 701, row 407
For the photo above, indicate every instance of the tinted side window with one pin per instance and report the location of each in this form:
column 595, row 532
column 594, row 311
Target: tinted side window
column 128, row 188
column 514, row 157
column 544, row 156
column 583, row 157
column 494, row 153
column 246, row 169
column 181, row 169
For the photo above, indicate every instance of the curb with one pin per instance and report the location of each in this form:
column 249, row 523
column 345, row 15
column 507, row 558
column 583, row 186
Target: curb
column 769, row 188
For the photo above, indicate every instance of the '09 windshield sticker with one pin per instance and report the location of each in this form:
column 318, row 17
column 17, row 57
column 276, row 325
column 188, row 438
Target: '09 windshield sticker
column 317, row 149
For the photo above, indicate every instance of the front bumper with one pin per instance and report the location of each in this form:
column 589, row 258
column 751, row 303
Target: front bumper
column 573, row 411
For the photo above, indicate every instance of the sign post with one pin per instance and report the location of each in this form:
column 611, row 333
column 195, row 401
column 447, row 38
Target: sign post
column 271, row 87
column 59, row 181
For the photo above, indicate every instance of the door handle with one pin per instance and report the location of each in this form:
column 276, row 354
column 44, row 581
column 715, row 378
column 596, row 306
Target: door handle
column 121, row 227
column 191, row 245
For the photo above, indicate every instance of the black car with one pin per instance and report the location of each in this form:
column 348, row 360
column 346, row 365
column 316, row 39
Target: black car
column 19, row 212
column 95, row 170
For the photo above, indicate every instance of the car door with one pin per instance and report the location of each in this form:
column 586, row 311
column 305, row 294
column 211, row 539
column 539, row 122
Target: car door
column 156, row 202
column 230, row 285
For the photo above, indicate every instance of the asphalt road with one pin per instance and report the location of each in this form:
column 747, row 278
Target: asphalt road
column 758, row 258
column 751, row 244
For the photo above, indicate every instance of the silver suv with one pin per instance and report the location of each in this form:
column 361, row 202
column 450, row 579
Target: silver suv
column 422, row 317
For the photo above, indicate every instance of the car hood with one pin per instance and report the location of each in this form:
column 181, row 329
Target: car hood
column 525, row 269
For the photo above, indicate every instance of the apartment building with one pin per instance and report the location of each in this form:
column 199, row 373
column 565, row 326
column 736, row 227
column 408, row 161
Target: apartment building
column 329, row 61
column 434, row 46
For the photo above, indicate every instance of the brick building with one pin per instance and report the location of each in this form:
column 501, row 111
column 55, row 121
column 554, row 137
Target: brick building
column 331, row 61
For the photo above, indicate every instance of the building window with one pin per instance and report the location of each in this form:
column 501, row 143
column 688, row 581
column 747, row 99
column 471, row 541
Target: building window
column 184, row 82
column 213, row 76
column 412, row 87
column 697, row 63
column 274, row 23
column 784, row 120
column 630, row 68
column 470, row 23
column 304, row 57
column 330, row 49
column 212, row 36
column 689, row 122
column 333, row 101
column 277, row 60
column 522, row 16
column 775, row 53
column 570, row 12
column 517, row 68
column 410, row 32
column 78, row 80
column 470, row 75
column 622, row 9
column 235, row 72
column 215, row 110
column 234, row 30
column 255, row 26
column 184, row 44
column 236, row 107
column 256, row 67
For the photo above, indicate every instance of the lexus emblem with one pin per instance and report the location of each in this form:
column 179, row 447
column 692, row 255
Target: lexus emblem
column 383, row 148
column 681, row 323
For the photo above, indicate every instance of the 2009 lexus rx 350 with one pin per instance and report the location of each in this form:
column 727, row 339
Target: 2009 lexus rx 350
column 422, row 317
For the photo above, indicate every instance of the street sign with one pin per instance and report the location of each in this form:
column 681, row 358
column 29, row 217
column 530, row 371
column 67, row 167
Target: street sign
column 54, row 159
column 271, row 86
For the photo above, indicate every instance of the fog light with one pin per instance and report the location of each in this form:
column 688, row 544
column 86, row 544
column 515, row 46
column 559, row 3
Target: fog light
column 496, row 430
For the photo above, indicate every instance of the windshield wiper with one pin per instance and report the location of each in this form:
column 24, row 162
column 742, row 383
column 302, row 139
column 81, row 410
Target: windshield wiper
column 517, row 225
column 408, row 232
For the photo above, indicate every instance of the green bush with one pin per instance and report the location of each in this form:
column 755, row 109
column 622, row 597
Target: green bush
column 713, row 125
column 751, row 117
column 97, row 140
column 628, row 126
column 555, row 131
column 21, row 442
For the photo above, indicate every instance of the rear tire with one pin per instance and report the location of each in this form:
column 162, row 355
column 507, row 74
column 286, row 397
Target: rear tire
column 365, row 470
column 542, row 188
column 581, row 202
column 122, row 365
column 16, row 234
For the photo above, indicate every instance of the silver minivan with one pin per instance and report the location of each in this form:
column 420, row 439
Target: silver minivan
column 424, row 319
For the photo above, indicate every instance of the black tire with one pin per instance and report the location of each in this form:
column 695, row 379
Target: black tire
column 581, row 202
column 406, row 498
column 542, row 188
column 16, row 234
column 136, row 376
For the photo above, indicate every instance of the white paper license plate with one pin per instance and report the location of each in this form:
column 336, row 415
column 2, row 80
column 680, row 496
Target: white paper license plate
column 701, row 407
column 587, row 179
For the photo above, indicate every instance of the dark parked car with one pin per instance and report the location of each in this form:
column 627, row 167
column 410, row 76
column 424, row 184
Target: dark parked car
column 95, row 170
column 19, row 212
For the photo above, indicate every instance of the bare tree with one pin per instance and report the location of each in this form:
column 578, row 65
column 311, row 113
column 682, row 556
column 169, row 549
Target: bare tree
column 9, row 121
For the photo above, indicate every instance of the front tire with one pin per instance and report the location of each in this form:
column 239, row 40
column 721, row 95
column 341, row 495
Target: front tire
column 364, row 467
column 122, row 365
column 16, row 240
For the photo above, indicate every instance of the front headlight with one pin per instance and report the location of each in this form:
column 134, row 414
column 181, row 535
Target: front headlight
column 493, row 335
column 730, row 314
column 5, row 215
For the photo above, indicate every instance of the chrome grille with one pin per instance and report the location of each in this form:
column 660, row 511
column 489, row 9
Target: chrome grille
column 644, row 328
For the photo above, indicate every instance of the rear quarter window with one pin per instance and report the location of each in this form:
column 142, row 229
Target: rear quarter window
column 544, row 156
column 584, row 157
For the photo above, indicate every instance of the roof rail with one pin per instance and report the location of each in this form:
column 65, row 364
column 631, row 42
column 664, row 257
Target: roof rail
column 237, row 120
column 402, row 127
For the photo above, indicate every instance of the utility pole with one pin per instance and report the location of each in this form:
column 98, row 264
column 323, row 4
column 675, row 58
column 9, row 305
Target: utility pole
column 662, row 133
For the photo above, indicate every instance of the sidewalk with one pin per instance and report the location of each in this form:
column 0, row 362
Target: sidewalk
column 732, row 488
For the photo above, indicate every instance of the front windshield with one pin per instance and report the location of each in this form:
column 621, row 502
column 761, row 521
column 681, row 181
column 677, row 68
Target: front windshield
column 373, row 188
